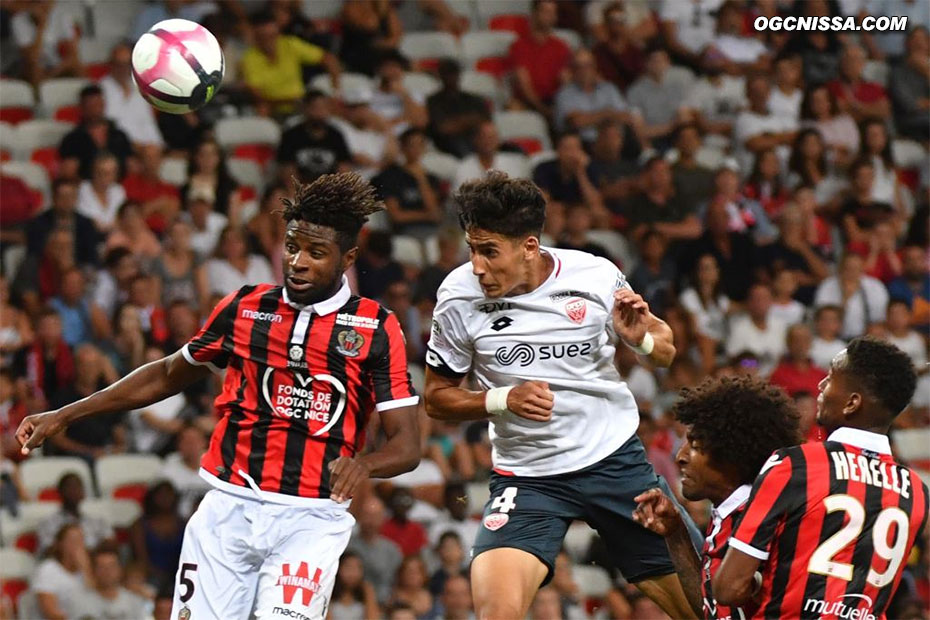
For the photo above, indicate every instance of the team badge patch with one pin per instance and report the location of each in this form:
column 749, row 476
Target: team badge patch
column 496, row 521
column 296, row 353
column 576, row 309
column 185, row 613
column 350, row 342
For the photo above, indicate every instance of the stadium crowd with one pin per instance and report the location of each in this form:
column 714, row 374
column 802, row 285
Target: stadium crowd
column 766, row 192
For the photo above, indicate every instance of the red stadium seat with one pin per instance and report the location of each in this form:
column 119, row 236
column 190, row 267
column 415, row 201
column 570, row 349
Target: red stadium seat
column 15, row 115
column 259, row 153
column 429, row 65
column 47, row 158
column 135, row 492
column 514, row 23
column 68, row 114
column 527, row 145
column 28, row 542
column 97, row 71
column 49, row 495
column 248, row 192
column 5, row 155
column 494, row 65
column 13, row 589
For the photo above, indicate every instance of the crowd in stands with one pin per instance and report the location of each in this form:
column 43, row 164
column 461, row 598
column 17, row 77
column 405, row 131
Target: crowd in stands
column 766, row 192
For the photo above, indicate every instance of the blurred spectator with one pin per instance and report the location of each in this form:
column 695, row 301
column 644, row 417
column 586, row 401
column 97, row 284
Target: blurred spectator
column 893, row 44
column 655, row 275
column 266, row 229
column 111, row 286
column 206, row 223
column 586, row 101
column 15, row 327
column 757, row 331
column 641, row 381
column 454, row 517
column 714, row 100
column 131, row 232
column 353, row 597
column 291, row 21
column 546, row 605
column 108, row 598
column 913, row 286
column 758, row 129
column 455, row 600
column 860, row 213
column 159, row 199
column 856, row 96
column 688, row 28
column 183, row 324
column 93, row 436
column 785, row 98
column 206, row 170
column 486, row 157
column 806, row 404
column 368, row 27
column 400, row 611
column 744, row 215
column 901, row 335
column 409, row 535
column 182, row 469
column 451, row 562
column 63, row 215
column 659, row 206
column 828, row 323
column 12, row 412
column 819, row 50
column 181, row 271
column 234, row 264
column 785, row 307
column 566, row 180
column 620, row 54
column 539, row 59
column 575, row 233
column 875, row 145
column 20, row 204
column 454, row 115
column 450, row 257
column 880, row 252
column 71, row 493
column 398, row 297
column 765, row 183
column 863, row 298
column 731, row 50
column 48, row 364
column 81, row 320
column 46, row 33
column 143, row 294
column 95, row 134
column 410, row 586
column 563, row 582
column 410, row 193
column 380, row 555
column 164, row 599
column 272, row 69
column 657, row 96
column 709, row 306
column 797, row 373
column 124, row 104
column 59, row 578
column 614, row 175
column 160, row 10
column 154, row 428
column 691, row 178
column 391, row 100
column 910, row 83
column 375, row 267
column 807, row 165
column 101, row 195
column 314, row 146
column 127, row 347
column 370, row 140
column 840, row 134
column 156, row 536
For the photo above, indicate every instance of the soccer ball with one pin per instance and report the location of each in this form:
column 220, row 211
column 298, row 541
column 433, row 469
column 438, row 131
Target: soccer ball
column 178, row 65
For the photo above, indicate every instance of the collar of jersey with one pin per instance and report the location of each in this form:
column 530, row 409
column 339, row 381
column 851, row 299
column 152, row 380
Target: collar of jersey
column 736, row 499
column 327, row 306
column 866, row 440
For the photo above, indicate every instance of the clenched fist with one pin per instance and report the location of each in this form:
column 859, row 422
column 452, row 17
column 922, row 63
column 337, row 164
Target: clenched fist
column 531, row 400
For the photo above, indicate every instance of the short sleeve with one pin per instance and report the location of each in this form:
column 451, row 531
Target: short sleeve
column 768, row 504
column 210, row 346
column 307, row 53
column 449, row 351
column 391, row 380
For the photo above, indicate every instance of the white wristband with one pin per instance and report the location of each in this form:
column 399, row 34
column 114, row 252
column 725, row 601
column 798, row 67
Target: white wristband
column 495, row 400
column 646, row 346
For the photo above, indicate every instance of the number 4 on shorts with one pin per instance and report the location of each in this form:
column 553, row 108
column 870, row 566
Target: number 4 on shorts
column 505, row 503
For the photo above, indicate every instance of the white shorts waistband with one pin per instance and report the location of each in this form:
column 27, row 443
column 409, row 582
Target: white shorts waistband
column 257, row 495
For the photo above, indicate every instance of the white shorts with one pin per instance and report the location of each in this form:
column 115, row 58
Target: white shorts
column 244, row 558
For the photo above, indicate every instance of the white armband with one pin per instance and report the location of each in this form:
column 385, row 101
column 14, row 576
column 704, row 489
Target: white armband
column 646, row 346
column 495, row 400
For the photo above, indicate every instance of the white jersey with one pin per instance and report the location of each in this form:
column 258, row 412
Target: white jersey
column 561, row 333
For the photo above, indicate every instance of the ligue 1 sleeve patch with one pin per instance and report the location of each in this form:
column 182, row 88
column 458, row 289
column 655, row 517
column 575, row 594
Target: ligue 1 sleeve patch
column 496, row 521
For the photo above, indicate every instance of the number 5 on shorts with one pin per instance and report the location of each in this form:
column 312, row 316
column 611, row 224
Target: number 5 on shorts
column 186, row 582
column 505, row 503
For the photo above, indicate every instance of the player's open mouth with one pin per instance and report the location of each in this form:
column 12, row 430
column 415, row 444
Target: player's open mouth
column 298, row 284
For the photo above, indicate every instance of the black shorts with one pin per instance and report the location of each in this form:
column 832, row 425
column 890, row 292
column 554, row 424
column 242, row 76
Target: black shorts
column 533, row 513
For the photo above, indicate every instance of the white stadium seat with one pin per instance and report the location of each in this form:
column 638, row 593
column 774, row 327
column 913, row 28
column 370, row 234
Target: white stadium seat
column 489, row 8
column 173, row 170
column 33, row 175
column 378, row 221
column 428, row 45
column 616, row 246
column 96, row 49
column 523, row 124
column 483, row 85
column 44, row 472
column 908, row 153
column 486, row 44
column 7, row 138
column 16, row 564
column 441, row 164
column 320, row 8
column 38, row 134
column 16, row 93
column 431, row 249
column 578, row 540
column 592, row 580
column 912, row 444
column 58, row 92
column 347, row 81
column 571, row 38
column 28, row 519
column 246, row 172
column 537, row 158
column 478, row 495
column 247, row 130
column 408, row 250
column 876, row 71
column 422, row 84
column 115, row 470
column 118, row 513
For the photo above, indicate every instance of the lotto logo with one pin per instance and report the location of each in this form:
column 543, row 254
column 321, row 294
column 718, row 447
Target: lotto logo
column 299, row 581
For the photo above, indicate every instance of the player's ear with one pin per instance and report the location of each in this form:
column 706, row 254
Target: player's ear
column 852, row 404
column 348, row 258
column 530, row 247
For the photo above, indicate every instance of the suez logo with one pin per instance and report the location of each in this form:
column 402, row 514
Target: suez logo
column 297, row 399
column 849, row 610
column 525, row 354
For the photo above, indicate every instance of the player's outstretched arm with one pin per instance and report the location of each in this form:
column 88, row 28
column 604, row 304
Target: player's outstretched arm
column 146, row 385
column 447, row 400
column 736, row 581
column 640, row 329
column 657, row 513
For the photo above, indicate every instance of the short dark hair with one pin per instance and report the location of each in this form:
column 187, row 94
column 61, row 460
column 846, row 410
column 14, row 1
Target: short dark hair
column 265, row 16
column 89, row 91
column 568, row 133
column 883, row 370
column 739, row 421
column 113, row 257
column 60, row 182
column 313, row 94
column 106, row 547
column 448, row 66
column 409, row 133
column 341, row 201
column 829, row 308
column 447, row 535
column 501, row 204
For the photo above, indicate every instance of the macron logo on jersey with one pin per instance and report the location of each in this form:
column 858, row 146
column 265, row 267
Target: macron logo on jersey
column 261, row 316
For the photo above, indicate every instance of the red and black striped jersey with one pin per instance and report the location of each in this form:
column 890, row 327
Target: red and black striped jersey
column 724, row 519
column 834, row 523
column 300, row 384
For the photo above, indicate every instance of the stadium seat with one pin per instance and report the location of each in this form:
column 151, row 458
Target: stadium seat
column 498, row 67
column 487, row 9
column 593, row 581
column 408, row 250
column 317, row 9
column 484, row 84
column 426, row 48
column 710, row 157
column 173, row 170
column 38, row 141
column 378, row 221
column 20, row 531
column 913, row 446
column 616, row 245
column 417, row 377
column 127, row 475
column 18, row 567
column 441, row 164
column 537, row 158
column 422, row 84
column 40, row 475
column 431, row 249
column 17, row 101
column 486, row 44
column 876, row 71
column 578, row 540
column 478, row 494
column 12, row 257
column 254, row 138
column 908, row 153
column 526, row 129
column 7, row 141
column 517, row 24
column 95, row 54
column 60, row 96
column 32, row 174
column 347, row 81
column 120, row 514
column 572, row 39
column 246, row 173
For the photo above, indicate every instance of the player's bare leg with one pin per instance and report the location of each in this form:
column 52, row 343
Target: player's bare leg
column 504, row 582
column 668, row 594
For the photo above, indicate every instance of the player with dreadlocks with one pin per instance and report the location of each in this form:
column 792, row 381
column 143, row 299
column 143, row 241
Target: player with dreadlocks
column 733, row 425
column 305, row 365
